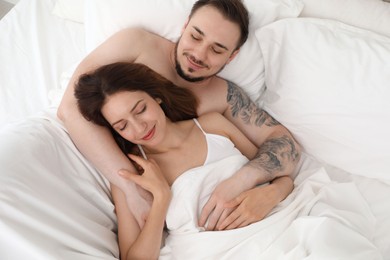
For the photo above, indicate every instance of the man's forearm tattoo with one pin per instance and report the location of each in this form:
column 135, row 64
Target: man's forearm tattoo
column 242, row 106
column 274, row 154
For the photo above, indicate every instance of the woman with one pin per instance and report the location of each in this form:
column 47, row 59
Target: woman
column 146, row 111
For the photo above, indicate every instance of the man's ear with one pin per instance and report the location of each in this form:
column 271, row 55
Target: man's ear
column 233, row 55
column 185, row 25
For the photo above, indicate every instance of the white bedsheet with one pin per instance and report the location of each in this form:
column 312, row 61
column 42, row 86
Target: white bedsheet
column 35, row 48
column 314, row 221
column 55, row 205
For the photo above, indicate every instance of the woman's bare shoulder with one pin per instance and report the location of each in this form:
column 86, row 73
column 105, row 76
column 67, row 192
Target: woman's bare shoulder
column 214, row 122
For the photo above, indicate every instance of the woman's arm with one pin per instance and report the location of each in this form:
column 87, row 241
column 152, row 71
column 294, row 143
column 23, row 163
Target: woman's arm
column 145, row 242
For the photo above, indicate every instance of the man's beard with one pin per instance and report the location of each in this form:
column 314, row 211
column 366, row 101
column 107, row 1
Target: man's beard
column 181, row 73
column 184, row 76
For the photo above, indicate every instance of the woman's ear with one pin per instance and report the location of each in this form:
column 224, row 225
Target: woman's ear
column 158, row 100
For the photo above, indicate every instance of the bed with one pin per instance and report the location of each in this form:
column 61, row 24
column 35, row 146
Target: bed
column 322, row 68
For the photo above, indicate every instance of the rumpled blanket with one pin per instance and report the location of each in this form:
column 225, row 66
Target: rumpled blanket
column 313, row 222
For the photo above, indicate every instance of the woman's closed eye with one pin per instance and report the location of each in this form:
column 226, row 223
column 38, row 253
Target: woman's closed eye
column 143, row 109
column 123, row 127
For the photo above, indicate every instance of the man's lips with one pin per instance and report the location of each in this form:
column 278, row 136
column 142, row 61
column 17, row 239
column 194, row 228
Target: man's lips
column 150, row 134
column 194, row 65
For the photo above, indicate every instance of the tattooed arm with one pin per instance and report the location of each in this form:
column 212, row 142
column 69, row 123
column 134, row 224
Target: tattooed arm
column 238, row 201
column 278, row 152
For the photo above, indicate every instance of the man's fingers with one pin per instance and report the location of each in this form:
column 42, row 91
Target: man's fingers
column 239, row 222
column 229, row 220
column 206, row 211
column 213, row 219
column 225, row 213
column 234, row 202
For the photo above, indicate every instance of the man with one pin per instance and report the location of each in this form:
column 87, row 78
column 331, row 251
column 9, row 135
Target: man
column 210, row 39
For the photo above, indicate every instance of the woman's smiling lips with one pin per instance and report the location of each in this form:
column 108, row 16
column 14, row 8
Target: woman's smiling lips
column 150, row 134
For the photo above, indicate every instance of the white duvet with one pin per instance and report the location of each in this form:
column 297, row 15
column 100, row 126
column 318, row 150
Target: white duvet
column 53, row 203
column 314, row 222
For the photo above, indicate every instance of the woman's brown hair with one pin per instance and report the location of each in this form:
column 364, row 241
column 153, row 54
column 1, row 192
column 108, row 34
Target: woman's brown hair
column 93, row 88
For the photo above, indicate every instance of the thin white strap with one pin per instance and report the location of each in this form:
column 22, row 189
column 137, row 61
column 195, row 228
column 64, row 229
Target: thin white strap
column 142, row 151
column 200, row 127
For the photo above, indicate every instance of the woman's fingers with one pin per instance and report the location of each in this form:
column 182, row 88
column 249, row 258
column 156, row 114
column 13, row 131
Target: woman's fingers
column 131, row 176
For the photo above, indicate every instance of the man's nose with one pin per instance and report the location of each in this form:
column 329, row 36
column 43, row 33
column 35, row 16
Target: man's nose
column 200, row 53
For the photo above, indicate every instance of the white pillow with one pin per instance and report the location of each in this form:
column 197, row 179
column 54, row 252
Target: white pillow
column 373, row 15
column 167, row 18
column 72, row 10
column 329, row 84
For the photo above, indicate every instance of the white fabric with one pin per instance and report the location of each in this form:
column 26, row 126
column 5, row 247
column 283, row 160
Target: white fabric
column 53, row 203
column 218, row 146
column 103, row 18
column 373, row 15
column 72, row 10
column 312, row 222
column 191, row 190
column 328, row 83
column 35, row 48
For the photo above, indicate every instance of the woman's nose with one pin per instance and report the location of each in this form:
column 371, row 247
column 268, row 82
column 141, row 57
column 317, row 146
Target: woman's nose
column 139, row 127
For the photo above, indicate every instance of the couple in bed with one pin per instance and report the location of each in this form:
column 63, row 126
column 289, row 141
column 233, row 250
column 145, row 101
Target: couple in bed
column 141, row 107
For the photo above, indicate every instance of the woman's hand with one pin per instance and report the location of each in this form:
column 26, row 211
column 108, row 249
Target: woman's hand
column 151, row 179
column 145, row 242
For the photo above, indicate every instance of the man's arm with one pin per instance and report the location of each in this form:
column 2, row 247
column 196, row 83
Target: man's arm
column 277, row 156
column 95, row 142
column 278, row 152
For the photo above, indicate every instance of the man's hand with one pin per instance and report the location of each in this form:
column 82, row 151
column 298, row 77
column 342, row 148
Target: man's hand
column 246, row 208
column 249, row 207
column 214, row 210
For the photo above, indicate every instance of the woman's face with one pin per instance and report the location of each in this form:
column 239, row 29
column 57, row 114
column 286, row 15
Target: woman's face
column 136, row 116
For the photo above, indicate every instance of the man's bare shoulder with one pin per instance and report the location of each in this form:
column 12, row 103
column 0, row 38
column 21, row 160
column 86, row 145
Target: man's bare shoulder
column 217, row 82
column 129, row 44
column 141, row 35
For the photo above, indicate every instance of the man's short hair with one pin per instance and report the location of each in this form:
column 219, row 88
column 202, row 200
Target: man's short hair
column 233, row 10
